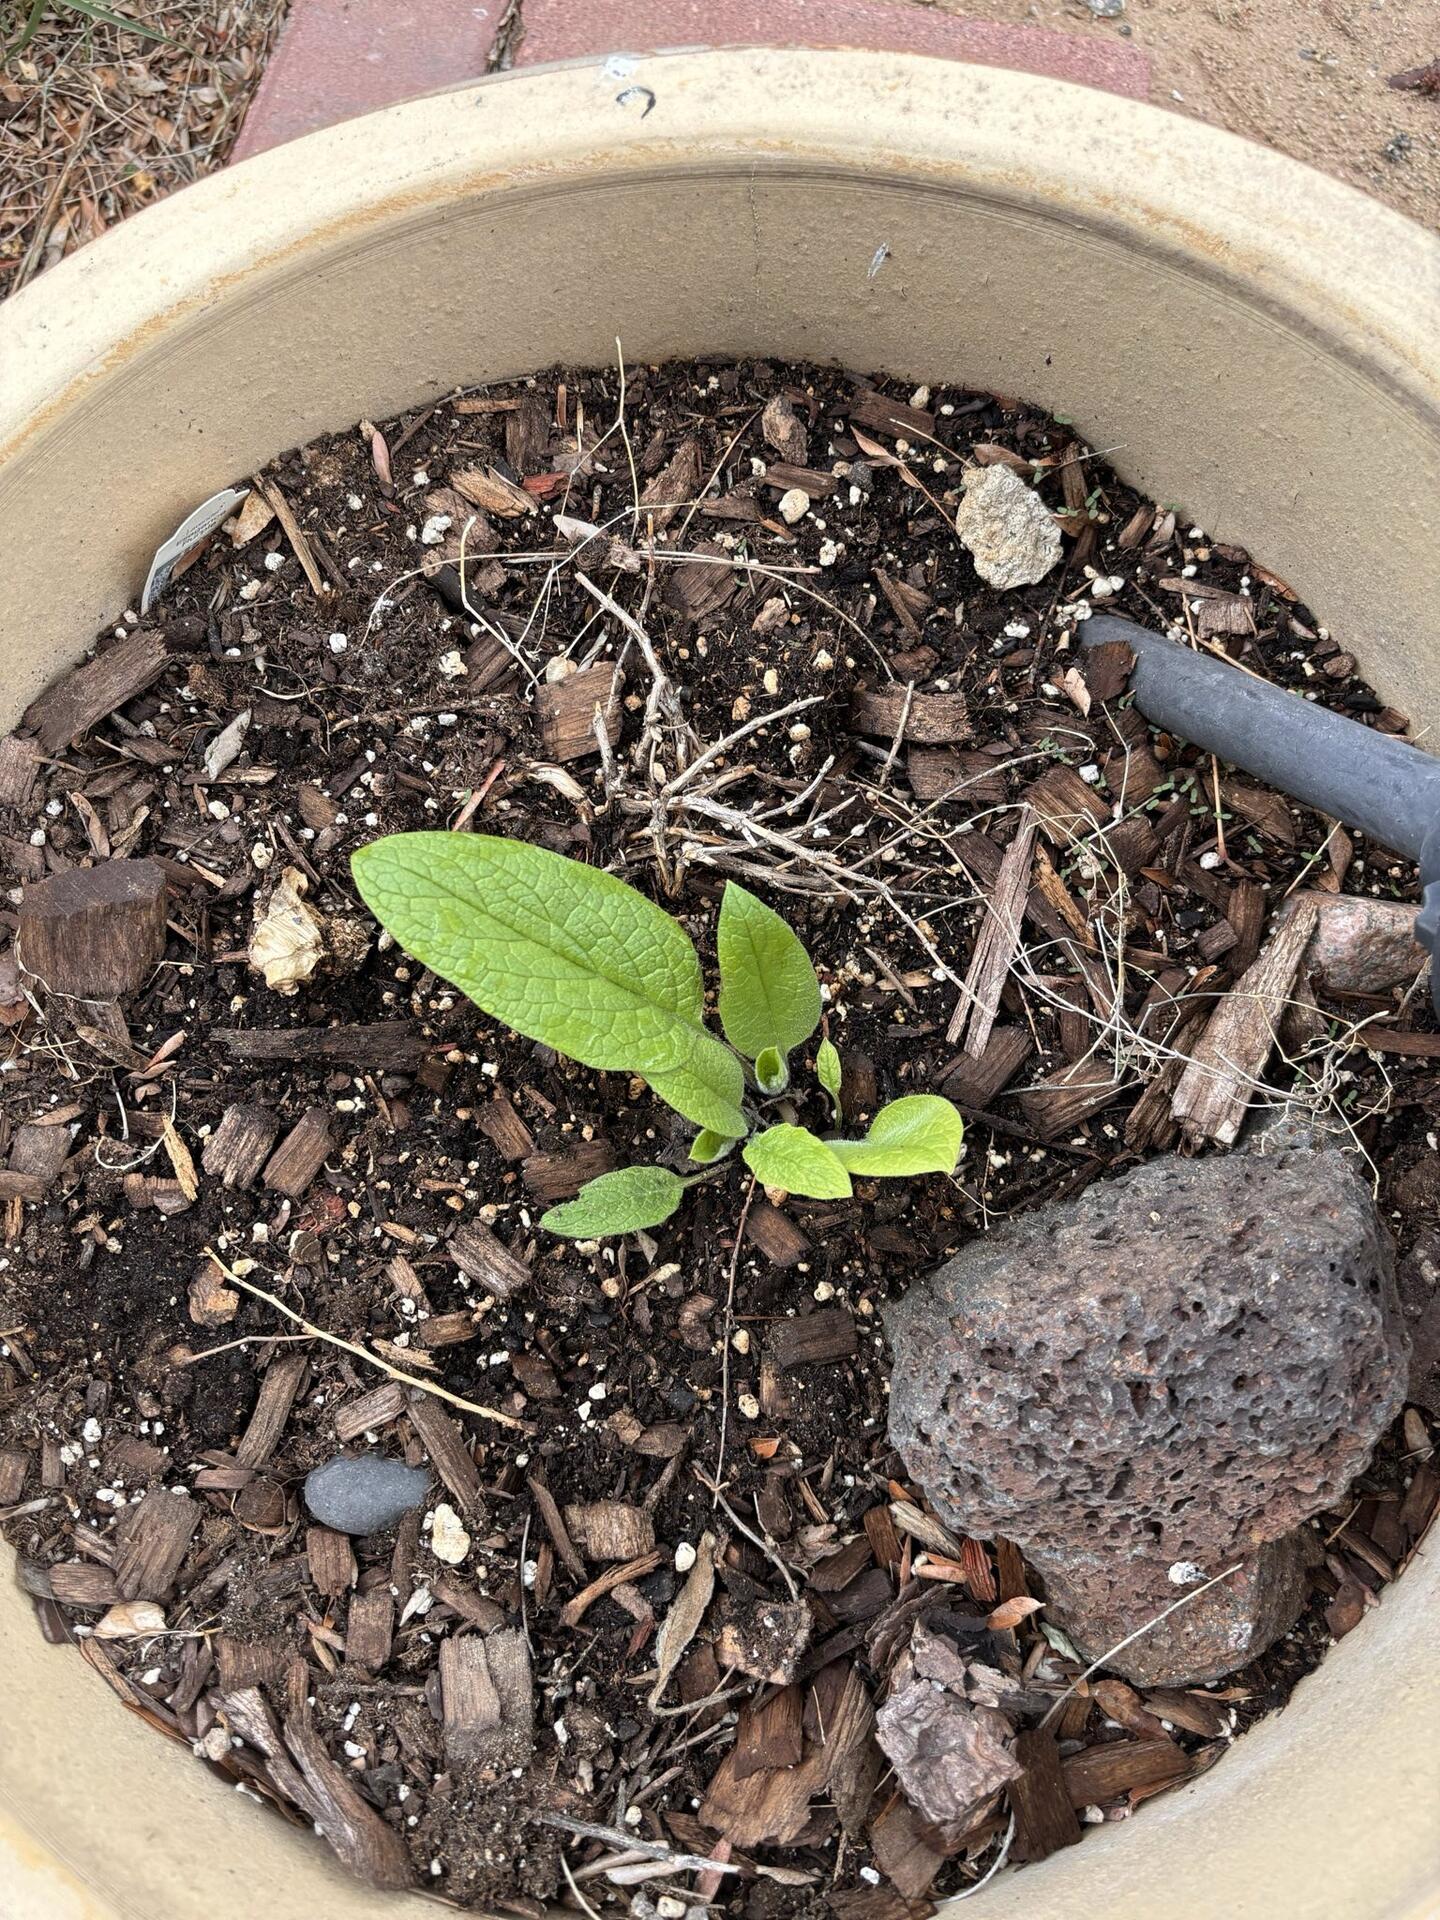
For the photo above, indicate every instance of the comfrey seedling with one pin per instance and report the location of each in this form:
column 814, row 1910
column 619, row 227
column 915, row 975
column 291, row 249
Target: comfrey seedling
column 579, row 961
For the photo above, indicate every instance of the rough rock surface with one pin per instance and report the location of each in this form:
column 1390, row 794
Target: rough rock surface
column 1011, row 534
column 363, row 1493
column 1210, row 1635
column 1360, row 945
column 1418, row 1278
column 1174, row 1370
column 1416, row 1193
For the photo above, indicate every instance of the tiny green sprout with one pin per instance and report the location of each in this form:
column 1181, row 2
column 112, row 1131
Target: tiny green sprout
column 581, row 962
column 827, row 1072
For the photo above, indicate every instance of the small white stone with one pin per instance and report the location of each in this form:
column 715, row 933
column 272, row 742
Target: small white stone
column 684, row 1557
column 274, row 562
column 338, row 643
column 1185, row 1573
column 452, row 664
column 829, row 552
column 1006, row 527
column 434, row 529
column 749, row 1406
column 740, row 1340
column 448, row 1539
column 794, row 505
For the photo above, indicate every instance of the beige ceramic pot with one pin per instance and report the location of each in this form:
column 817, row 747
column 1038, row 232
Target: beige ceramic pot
column 1244, row 338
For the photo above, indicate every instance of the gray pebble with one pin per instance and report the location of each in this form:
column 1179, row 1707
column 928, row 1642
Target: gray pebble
column 364, row 1493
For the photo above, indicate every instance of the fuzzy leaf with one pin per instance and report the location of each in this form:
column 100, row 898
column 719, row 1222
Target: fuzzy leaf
column 562, row 953
column 769, row 996
column 707, row 1147
column 707, row 1089
column 795, row 1159
column 827, row 1072
column 619, row 1202
column 919, row 1134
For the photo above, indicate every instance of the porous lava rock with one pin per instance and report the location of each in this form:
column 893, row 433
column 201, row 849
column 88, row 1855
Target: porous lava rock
column 1152, row 1382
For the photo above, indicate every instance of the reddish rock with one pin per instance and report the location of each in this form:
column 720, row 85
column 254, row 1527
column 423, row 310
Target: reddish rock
column 1360, row 945
column 1210, row 1635
column 1174, row 1370
column 1418, row 1277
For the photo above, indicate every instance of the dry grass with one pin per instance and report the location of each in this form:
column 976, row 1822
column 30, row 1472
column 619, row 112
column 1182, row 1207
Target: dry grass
column 96, row 123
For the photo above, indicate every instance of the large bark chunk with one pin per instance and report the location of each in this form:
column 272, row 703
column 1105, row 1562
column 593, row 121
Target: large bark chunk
column 95, row 933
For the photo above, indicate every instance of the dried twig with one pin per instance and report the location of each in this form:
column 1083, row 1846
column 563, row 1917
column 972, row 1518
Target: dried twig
column 632, row 1843
column 372, row 1359
column 725, row 1337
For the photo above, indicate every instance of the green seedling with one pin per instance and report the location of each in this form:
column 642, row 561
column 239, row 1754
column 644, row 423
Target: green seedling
column 581, row 962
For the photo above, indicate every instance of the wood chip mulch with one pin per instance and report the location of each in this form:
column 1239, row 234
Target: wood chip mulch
column 630, row 1649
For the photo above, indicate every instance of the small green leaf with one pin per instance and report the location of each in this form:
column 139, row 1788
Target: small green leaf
column 620, row 1202
column 793, row 1158
column 771, row 1073
column 919, row 1134
column 827, row 1072
column 769, row 996
column 707, row 1147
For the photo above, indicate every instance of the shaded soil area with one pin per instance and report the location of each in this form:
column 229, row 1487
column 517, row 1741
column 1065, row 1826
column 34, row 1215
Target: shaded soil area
column 668, row 1563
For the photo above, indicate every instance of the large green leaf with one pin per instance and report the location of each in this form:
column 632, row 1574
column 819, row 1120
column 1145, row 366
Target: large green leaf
column 562, row 953
column 795, row 1159
column 919, row 1134
column 707, row 1089
column 769, row 996
column 620, row 1202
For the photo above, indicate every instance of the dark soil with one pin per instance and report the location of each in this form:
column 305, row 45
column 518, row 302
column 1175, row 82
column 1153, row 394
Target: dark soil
column 379, row 706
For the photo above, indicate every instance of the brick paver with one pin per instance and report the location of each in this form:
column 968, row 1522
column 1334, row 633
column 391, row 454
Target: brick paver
column 566, row 29
column 337, row 58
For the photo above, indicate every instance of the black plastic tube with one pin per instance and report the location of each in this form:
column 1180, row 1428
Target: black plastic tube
column 1387, row 788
